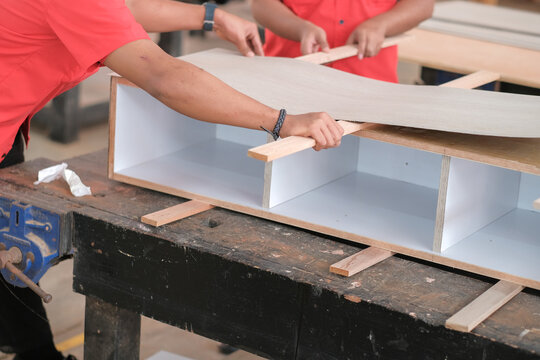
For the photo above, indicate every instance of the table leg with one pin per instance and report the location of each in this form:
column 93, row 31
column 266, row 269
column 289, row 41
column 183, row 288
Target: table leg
column 110, row 332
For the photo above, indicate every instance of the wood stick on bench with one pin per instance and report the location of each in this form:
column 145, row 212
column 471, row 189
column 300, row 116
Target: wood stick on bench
column 176, row 212
column 360, row 261
column 483, row 306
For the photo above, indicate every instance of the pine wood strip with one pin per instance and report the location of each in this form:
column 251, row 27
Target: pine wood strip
column 536, row 204
column 473, row 80
column 360, row 261
column 175, row 213
column 483, row 306
column 294, row 144
column 465, row 56
column 345, row 51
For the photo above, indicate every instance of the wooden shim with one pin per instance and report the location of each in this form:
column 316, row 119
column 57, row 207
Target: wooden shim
column 294, row 144
column 176, row 212
column 483, row 306
column 345, row 51
column 473, row 80
column 360, row 261
column 441, row 204
column 536, row 204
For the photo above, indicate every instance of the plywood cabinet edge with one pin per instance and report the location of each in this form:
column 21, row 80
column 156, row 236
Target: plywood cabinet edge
column 441, row 204
column 112, row 124
column 267, row 184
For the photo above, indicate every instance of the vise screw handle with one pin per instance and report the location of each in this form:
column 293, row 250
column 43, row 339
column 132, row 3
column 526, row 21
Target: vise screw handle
column 14, row 255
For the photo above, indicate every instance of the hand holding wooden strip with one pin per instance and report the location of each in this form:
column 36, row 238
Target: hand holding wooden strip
column 536, row 204
column 293, row 144
column 345, row 51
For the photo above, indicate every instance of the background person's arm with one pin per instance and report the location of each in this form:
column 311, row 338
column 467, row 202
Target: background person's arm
column 193, row 92
column 278, row 18
column 169, row 15
column 405, row 15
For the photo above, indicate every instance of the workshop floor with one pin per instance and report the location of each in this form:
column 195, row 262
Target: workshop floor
column 66, row 312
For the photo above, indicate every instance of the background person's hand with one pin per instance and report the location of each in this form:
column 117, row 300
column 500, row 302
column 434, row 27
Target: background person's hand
column 319, row 126
column 368, row 37
column 242, row 33
column 313, row 39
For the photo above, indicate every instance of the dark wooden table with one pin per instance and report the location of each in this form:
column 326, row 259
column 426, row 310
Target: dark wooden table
column 258, row 285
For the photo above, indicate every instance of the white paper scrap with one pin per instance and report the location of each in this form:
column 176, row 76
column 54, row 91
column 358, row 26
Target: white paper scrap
column 56, row 172
column 51, row 173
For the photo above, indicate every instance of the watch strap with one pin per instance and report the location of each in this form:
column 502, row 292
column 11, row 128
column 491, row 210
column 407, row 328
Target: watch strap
column 209, row 9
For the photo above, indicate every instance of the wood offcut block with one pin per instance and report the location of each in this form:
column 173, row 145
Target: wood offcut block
column 483, row 306
column 360, row 261
column 175, row 213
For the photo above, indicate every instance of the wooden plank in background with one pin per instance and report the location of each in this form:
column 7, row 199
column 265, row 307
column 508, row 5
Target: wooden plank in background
column 483, row 306
column 465, row 56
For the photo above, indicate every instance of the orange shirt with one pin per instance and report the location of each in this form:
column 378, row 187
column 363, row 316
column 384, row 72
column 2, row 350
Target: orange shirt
column 48, row 47
column 339, row 18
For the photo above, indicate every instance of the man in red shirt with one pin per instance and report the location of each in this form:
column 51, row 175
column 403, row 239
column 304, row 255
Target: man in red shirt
column 49, row 46
column 296, row 27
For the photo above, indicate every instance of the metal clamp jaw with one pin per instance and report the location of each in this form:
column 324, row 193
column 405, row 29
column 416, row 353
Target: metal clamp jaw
column 29, row 243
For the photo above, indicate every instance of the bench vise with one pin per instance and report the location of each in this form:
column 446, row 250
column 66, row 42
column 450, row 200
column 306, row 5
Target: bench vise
column 30, row 243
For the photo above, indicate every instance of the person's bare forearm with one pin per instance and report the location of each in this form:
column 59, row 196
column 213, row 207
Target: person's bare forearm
column 166, row 15
column 193, row 92
column 196, row 93
column 278, row 18
column 405, row 15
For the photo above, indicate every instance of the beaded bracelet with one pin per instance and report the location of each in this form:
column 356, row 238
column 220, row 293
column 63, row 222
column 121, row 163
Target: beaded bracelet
column 279, row 124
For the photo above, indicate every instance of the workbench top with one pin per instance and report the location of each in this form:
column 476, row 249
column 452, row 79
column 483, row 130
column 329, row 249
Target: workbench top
column 264, row 286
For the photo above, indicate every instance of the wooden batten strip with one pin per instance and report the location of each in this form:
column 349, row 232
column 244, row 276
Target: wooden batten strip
column 536, row 204
column 360, row 261
column 483, row 306
column 343, row 52
column 294, row 144
column 473, row 80
column 175, row 213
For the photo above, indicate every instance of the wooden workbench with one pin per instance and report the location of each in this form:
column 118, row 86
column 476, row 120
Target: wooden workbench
column 261, row 286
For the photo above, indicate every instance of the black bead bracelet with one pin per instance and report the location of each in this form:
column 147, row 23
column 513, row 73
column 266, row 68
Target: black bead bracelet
column 279, row 124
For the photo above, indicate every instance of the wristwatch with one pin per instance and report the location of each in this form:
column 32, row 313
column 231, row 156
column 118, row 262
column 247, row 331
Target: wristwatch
column 208, row 23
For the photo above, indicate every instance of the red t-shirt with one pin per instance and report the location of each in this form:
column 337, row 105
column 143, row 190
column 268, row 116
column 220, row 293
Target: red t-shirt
column 48, row 47
column 339, row 18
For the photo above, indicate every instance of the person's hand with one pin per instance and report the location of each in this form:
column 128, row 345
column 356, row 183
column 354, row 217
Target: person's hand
column 368, row 37
column 242, row 33
column 313, row 39
column 319, row 126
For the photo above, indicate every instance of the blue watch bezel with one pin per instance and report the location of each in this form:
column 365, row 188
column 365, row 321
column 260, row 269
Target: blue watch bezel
column 208, row 22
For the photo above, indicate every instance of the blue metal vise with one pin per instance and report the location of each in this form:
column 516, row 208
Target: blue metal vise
column 36, row 232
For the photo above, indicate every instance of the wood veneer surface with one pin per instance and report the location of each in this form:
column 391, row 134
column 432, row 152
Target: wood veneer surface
column 302, row 87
